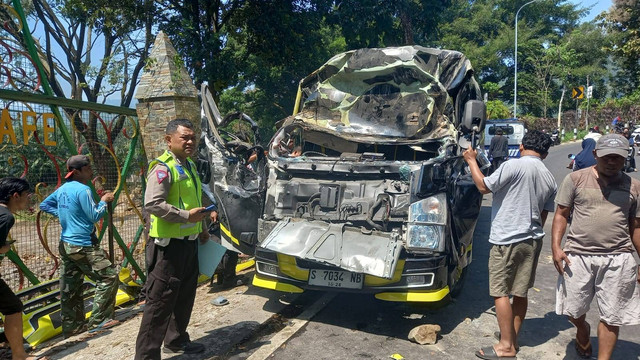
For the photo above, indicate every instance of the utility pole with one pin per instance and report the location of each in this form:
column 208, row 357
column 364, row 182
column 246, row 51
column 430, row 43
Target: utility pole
column 588, row 98
column 515, row 58
column 577, row 116
column 560, row 107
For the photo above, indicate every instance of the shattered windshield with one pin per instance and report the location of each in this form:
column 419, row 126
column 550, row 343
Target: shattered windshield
column 389, row 94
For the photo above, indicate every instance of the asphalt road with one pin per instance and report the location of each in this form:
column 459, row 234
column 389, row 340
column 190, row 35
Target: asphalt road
column 361, row 327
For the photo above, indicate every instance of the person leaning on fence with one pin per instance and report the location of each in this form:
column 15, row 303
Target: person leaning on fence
column 14, row 196
column 173, row 199
column 80, row 251
column 523, row 192
column 597, row 259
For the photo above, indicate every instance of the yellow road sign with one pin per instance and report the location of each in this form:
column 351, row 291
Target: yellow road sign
column 577, row 92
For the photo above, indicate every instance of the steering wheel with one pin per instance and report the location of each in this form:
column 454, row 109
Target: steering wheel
column 231, row 135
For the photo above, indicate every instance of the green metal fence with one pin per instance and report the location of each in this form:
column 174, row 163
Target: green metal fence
column 38, row 132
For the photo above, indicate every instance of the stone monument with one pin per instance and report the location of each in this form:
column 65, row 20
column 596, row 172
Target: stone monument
column 165, row 92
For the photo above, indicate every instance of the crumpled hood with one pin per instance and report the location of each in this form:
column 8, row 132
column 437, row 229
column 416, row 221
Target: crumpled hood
column 385, row 93
column 334, row 244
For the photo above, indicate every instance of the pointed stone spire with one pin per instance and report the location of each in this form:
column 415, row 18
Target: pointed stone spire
column 165, row 74
column 165, row 92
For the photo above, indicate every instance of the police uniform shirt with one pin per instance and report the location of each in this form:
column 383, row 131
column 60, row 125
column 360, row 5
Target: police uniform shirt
column 155, row 197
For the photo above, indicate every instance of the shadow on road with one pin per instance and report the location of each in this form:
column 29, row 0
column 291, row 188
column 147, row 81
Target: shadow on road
column 539, row 330
column 362, row 312
column 622, row 347
column 219, row 340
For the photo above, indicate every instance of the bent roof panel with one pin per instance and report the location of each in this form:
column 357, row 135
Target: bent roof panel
column 389, row 93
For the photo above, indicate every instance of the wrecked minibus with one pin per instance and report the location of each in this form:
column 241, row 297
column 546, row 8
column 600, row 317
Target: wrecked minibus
column 364, row 187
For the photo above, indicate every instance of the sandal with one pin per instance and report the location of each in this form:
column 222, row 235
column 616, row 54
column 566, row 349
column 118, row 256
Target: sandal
column 584, row 351
column 489, row 353
column 106, row 324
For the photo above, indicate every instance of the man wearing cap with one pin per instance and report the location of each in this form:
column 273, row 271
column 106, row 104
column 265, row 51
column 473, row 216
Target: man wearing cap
column 80, row 250
column 498, row 149
column 173, row 199
column 597, row 258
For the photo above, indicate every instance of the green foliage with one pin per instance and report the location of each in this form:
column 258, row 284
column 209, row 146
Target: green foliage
column 622, row 23
column 381, row 23
column 492, row 89
column 95, row 48
column 496, row 109
column 484, row 31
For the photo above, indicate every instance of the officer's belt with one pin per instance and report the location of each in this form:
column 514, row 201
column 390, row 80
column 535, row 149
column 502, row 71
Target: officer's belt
column 190, row 237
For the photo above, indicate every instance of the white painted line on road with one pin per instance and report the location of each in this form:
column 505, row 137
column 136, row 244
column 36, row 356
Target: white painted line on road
column 285, row 334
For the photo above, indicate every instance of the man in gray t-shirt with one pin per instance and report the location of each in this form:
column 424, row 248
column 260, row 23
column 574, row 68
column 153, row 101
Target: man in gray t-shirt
column 523, row 194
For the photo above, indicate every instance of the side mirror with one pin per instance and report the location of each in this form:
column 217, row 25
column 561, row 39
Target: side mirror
column 475, row 116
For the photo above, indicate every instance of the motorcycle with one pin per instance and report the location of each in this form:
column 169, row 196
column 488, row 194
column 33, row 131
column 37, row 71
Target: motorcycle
column 555, row 137
column 629, row 162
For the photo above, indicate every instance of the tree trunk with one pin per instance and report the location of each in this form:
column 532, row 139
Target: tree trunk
column 407, row 26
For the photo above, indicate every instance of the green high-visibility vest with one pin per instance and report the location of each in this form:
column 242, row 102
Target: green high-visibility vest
column 185, row 193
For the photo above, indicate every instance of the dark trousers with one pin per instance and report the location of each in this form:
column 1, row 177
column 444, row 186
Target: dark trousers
column 149, row 261
column 171, row 291
column 496, row 162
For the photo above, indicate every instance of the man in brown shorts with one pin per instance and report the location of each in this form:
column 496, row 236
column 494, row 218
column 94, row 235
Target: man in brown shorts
column 597, row 258
column 523, row 191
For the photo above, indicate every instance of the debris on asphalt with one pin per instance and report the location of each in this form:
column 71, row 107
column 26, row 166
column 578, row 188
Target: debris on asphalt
column 220, row 301
column 425, row 334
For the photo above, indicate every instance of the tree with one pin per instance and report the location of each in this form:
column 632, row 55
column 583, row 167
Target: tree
column 198, row 30
column 252, row 53
column 484, row 31
column 381, row 23
column 496, row 109
column 622, row 23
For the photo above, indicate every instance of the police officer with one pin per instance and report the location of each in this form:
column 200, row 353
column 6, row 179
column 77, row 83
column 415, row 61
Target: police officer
column 173, row 199
column 80, row 251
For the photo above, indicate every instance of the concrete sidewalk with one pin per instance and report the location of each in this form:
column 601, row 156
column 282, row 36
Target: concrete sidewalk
column 220, row 328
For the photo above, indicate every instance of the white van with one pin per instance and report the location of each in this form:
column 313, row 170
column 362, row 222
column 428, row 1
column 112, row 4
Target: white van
column 512, row 129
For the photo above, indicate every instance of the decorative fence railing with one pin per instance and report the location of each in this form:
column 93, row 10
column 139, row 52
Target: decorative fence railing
column 34, row 148
column 38, row 132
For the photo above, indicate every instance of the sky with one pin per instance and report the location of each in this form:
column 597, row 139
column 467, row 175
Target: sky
column 599, row 6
